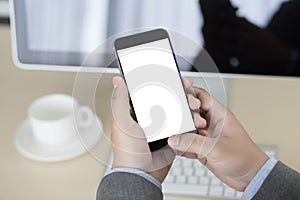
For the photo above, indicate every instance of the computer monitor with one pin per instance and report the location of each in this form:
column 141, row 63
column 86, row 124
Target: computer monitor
column 251, row 37
column 4, row 10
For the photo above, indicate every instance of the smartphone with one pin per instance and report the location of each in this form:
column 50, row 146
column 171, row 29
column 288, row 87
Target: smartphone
column 157, row 95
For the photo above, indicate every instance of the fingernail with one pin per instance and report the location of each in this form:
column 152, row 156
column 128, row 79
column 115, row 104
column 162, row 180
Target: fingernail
column 116, row 81
column 174, row 140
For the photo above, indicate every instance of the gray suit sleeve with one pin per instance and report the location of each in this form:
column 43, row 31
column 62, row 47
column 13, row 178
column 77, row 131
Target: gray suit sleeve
column 127, row 186
column 282, row 183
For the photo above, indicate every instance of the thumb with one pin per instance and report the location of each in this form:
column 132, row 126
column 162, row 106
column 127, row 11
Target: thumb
column 120, row 103
column 187, row 143
column 120, row 93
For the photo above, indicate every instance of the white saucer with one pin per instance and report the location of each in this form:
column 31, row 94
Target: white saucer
column 28, row 146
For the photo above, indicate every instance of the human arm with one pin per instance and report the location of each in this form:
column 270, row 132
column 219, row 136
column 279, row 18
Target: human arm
column 125, row 185
column 281, row 183
column 213, row 118
column 131, row 152
column 225, row 147
column 133, row 162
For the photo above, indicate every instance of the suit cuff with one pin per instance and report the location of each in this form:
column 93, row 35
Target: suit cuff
column 137, row 172
column 259, row 178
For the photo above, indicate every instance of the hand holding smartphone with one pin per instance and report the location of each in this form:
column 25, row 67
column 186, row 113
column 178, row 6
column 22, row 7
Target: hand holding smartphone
column 158, row 99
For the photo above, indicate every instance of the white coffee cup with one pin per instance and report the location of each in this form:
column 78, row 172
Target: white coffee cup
column 55, row 119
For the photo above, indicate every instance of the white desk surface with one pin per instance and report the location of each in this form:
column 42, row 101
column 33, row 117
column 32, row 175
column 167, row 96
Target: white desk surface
column 269, row 109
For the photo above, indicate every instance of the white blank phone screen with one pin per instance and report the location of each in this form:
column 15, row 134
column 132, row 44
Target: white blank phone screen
column 156, row 90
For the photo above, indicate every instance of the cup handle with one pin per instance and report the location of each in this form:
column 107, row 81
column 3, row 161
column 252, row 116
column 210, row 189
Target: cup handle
column 85, row 117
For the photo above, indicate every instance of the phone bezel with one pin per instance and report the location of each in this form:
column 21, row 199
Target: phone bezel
column 139, row 39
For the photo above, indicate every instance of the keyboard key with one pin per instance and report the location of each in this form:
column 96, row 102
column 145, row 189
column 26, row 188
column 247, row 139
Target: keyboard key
column 199, row 172
column 216, row 191
column 187, row 162
column 209, row 173
column 192, row 180
column 176, row 171
column 215, row 181
column 180, row 179
column 229, row 192
column 188, row 171
column 190, row 190
column 170, row 179
column 176, row 163
column 198, row 165
column 204, row 180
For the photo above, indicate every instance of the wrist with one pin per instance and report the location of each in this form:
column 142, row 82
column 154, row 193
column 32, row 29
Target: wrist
column 160, row 174
column 259, row 161
column 157, row 176
column 259, row 178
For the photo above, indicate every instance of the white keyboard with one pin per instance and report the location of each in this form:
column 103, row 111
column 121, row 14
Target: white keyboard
column 190, row 178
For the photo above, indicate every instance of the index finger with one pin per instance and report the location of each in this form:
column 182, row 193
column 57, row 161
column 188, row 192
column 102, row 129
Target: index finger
column 205, row 98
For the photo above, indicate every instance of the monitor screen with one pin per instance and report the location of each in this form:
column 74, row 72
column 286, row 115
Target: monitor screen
column 241, row 36
column 4, row 10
